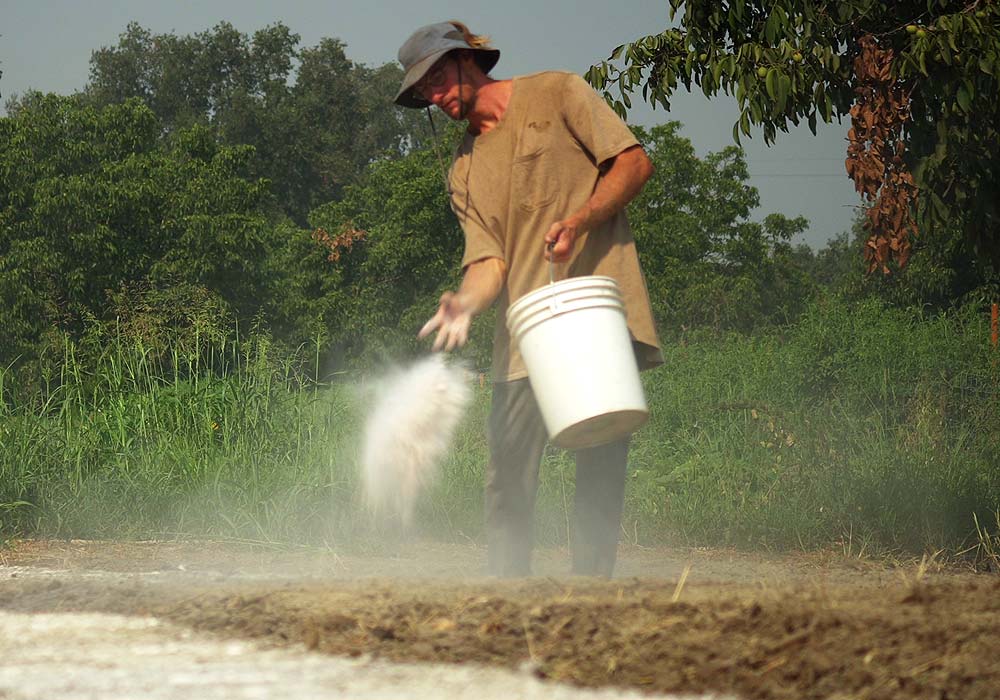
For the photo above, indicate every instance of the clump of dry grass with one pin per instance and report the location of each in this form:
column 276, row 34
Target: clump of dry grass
column 987, row 547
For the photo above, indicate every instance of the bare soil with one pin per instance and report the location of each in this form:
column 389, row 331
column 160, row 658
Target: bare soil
column 673, row 621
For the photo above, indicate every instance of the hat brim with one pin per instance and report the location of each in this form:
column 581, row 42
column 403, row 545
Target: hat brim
column 406, row 97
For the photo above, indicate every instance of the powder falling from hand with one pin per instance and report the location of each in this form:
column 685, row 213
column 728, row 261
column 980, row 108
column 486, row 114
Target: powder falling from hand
column 409, row 431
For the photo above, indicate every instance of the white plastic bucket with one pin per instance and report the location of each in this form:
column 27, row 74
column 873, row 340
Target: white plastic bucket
column 581, row 365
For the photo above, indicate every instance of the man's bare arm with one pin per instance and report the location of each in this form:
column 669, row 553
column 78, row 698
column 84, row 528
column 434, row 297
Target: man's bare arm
column 620, row 183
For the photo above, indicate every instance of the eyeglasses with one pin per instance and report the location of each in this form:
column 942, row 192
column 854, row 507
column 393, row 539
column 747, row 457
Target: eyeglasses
column 433, row 78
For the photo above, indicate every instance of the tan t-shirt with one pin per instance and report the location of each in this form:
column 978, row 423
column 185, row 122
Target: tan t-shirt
column 538, row 165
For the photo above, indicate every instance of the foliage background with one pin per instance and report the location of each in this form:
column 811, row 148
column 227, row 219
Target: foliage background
column 201, row 271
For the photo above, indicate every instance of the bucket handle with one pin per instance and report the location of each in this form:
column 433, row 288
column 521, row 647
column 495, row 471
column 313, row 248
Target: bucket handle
column 553, row 301
column 552, row 265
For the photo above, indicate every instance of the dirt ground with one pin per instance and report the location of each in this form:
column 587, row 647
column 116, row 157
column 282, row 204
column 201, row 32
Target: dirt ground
column 672, row 621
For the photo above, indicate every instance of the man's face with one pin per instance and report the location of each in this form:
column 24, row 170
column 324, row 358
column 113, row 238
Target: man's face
column 440, row 86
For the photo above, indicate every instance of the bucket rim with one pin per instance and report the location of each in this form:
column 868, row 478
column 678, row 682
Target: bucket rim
column 548, row 290
column 520, row 323
column 567, row 297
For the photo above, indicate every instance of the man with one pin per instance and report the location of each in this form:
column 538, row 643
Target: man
column 543, row 174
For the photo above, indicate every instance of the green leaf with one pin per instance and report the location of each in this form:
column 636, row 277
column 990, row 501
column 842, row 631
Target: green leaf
column 717, row 71
column 771, row 83
column 784, row 89
column 771, row 28
column 963, row 98
column 737, row 9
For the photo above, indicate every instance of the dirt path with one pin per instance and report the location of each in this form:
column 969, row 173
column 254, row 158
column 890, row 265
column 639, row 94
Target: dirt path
column 81, row 656
column 677, row 621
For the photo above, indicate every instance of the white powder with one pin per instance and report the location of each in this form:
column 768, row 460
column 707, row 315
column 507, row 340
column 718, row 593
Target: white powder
column 408, row 432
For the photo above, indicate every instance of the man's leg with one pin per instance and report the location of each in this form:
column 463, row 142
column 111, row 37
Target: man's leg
column 600, row 497
column 517, row 438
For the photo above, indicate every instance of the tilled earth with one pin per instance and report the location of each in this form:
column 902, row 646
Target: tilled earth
column 674, row 621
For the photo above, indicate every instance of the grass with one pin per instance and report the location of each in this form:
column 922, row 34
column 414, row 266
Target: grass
column 869, row 427
column 987, row 546
column 220, row 438
column 860, row 423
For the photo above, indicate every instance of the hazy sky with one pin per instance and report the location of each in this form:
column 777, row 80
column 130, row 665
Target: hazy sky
column 46, row 45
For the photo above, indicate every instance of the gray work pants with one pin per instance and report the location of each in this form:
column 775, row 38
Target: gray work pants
column 517, row 439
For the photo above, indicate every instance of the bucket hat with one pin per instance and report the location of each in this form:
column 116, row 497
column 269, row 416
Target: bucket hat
column 422, row 50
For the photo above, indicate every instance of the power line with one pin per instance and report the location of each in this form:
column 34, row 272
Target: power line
column 843, row 175
column 785, row 160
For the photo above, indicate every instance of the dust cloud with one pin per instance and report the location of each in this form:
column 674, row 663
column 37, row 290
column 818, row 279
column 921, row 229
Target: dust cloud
column 409, row 430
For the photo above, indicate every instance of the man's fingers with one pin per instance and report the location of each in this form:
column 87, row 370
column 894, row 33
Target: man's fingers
column 550, row 250
column 553, row 234
column 560, row 252
column 452, row 325
column 452, row 334
column 440, row 340
column 456, row 334
column 558, row 242
column 429, row 327
column 560, row 256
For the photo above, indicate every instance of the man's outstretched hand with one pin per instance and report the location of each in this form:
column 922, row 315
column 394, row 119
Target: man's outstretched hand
column 451, row 321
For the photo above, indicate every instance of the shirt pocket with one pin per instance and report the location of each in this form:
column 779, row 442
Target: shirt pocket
column 534, row 185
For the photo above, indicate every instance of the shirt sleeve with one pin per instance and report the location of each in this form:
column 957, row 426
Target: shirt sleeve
column 480, row 241
column 592, row 122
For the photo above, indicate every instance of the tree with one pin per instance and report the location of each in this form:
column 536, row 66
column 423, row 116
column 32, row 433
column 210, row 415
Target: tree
column 943, row 273
column 706, row 262
column 918, row 78
column 836, row 267
column 314, row 127
column 92, row 200
column 371, row 267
